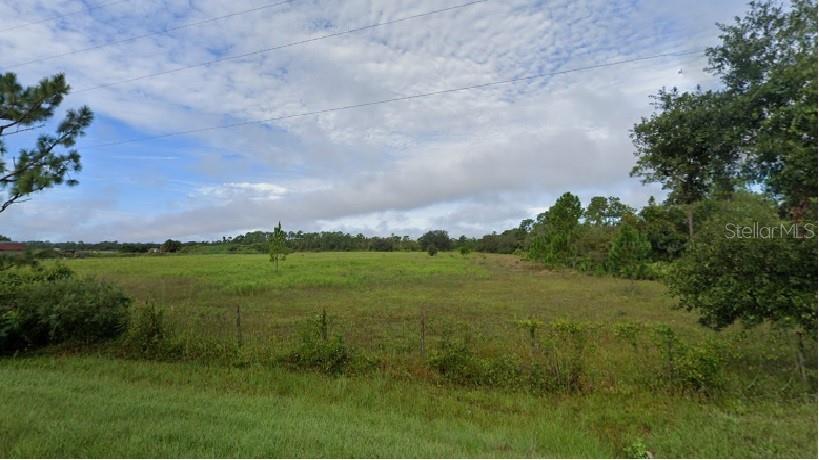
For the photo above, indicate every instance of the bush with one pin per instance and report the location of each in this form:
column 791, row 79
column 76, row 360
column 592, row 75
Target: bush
column 432, row 250
column 745, row 264
column 48, row 306
column 694, row 368
column 566, row 349
column 456, row 363
column 148, row 332
column 318, row 351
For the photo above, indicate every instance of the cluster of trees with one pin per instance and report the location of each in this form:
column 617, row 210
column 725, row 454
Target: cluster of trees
column 300, row 241
column 745, row 155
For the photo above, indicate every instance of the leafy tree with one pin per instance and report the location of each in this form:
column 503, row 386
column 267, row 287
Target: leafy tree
column 171, row 246
column 617, row 210
column 629, row 250
column 555, row 243
column 596, row 210
column 53, row 158
column 4, row 238
column 665, row 227
column 749, row 265
column 278, row 246
column 606, row 211
column 767, row 61
column 691, row 146
column 438, row 238
column 761, row 128
column 526, row 226
column 432, row 249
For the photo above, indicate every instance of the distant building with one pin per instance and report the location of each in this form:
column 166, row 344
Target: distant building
column 153, row 250
column 6, row 246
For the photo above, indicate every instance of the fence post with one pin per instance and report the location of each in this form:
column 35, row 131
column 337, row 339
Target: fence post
column 239, row 325
column 323, row 325
column 423, row 340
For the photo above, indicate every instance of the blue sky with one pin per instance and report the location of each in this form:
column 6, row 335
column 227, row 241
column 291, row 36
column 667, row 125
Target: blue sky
column 470, row 162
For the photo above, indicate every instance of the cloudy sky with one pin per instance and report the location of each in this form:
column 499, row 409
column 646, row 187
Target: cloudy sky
column 470, row 161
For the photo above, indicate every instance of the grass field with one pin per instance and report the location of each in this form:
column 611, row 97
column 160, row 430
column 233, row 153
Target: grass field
column 90, row 403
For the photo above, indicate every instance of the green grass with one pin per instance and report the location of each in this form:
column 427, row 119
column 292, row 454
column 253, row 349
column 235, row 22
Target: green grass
column 378, row 297
column 92, row 407
column 245, row 405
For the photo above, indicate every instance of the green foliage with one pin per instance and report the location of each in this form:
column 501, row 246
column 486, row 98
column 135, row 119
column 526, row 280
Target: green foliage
column 767, row 60
column 278, row 246
column 49, row 306
column 665, row 228
column 603, row 211
column 464, row 250
column 45, row 165
column 148, row 332
column 438, row 238
column 628, row 331
column 567, row 349
column 690, row 145
column 695, row 368
column 637, row 449
column 748, row 265
column 318, row 350
column 629, row 251
column 531, row 326
column 171, row 246
column 761, row 128
column 555, row 238
column 432, row 249
column 455, row 361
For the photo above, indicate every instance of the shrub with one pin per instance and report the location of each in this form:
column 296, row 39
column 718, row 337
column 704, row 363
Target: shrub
column 566, row 350
column 318, row 351
column 48, row 306
column 637, row 449
column 432, row 250
column 456, row 363
column 696, row 368
column 148, row 332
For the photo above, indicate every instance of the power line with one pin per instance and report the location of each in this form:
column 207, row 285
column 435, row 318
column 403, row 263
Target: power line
column 398, row 99
column 150, row 34
column 54, row 18
column 278, row 47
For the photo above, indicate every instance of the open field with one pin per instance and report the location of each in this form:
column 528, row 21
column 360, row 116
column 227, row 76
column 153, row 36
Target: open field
column 236, row 401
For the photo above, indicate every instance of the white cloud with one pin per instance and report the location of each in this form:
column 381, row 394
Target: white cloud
column 491, row 153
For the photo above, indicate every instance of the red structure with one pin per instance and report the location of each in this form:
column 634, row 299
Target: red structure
column 12, row 247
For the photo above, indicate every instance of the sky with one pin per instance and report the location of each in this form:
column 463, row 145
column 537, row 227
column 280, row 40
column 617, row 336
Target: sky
column 470, row 162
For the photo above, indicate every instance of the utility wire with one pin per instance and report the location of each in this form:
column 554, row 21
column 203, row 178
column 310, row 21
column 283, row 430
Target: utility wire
column 54, row 18
column 397, row 99
column 150, row 34
column 278, row 47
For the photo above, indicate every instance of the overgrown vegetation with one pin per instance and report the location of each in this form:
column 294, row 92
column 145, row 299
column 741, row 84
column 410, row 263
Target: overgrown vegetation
column 46, row 306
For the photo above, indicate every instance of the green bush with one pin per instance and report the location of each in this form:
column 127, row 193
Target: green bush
column 693, row 368
column 48, row 306
column 318, row 351
column 456, row 363
column 148, row 332
column 567, row 346
column 637, row 449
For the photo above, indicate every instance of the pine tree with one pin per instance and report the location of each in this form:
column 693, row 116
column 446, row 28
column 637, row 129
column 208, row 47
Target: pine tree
column 51, row 161
column 278, row 246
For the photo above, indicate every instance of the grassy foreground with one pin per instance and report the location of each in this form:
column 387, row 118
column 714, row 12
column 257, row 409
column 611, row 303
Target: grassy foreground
column 222, row 399
column 93, row 407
